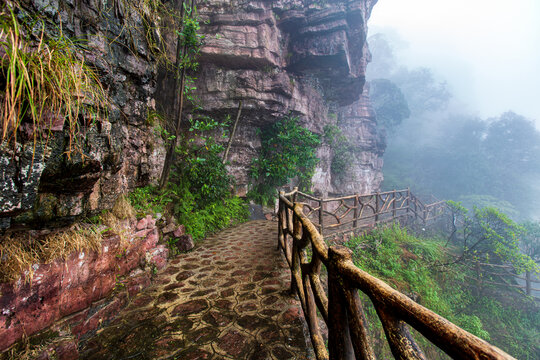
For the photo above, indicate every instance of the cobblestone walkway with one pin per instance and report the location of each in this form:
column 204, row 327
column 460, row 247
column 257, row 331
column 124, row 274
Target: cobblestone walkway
column 226, row 299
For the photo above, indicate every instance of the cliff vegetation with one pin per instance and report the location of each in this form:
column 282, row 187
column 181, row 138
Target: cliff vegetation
column 432, row 270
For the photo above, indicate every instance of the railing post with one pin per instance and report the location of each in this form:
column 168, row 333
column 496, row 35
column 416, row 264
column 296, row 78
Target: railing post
column 417, row 209
column 376, row 208
column 321, row 215
column 528, row 282
column 358, row 327
column 394, row 205
column 356, row 204
column 339, row 339
column 281, row 235
column 296, row 263
column 399, row 338
column 408, row 202
column 295, row 194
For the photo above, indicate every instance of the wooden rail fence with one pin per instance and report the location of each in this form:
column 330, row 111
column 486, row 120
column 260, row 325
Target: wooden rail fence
column 335, row 216
column 340, row 306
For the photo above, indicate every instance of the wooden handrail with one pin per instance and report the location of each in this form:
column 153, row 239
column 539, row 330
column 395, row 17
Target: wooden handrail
column 347, row 197
column 342, row 310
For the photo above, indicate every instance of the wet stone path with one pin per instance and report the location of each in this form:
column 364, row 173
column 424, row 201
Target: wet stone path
column 226, row 299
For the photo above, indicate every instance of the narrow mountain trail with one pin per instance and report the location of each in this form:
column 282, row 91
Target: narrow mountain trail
column 226, row 299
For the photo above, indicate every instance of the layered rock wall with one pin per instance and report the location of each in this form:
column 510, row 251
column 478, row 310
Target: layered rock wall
column 303, row 58
column 364, row 174
column 78, row 288
column 119, row 153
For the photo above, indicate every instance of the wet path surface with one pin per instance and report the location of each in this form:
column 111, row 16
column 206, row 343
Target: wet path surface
column 226, row 299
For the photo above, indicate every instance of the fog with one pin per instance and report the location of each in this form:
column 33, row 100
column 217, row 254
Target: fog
column 456, row 85
column 487, row 50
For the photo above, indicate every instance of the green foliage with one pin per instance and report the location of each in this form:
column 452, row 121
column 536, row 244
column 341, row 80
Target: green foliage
column 199, row 164
column 397, row 256
column 531, row 240
column 198, row 193
column 190, row 38
column 288, row 150
column 43, row 79
column 389, row 103
column 412, row 265
column 214, row 217
column 489, row 236
column 199, row 220
column 497, row 235
column 514, row 325
column 149, row 200
column 343, row 150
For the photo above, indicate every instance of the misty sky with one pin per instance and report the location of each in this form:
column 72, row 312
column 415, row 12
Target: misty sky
column 487, row 50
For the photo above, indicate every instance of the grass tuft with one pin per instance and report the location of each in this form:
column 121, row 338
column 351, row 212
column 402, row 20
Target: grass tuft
column 116, row 226
column 46, row 83
column 16, row 256
column 122, row 208
column 60, row 244
column 19, row 252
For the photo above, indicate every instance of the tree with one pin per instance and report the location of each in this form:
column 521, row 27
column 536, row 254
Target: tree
column 513, row 141
column 531, row 240
column 488, row 236
column 383, row 62
column 422, row 91
column 389, row 103
column 512, row 150
column 288, row 150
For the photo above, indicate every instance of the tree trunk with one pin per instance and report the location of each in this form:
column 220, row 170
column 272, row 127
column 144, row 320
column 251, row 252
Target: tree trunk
column 180, row 78
column 233, row 131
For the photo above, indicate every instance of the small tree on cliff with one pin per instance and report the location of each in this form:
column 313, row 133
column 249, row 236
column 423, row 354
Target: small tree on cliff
column 188, row 45
column 389, row 103
column 489, row 236
column 288, row 150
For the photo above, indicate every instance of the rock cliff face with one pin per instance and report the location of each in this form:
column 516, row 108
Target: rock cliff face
column 79, row 289
column 364, row 174
column 119, row 153
column 305, row 58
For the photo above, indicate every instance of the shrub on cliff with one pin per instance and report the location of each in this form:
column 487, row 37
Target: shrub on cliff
column 288, row 150
column 343, row 150
column 413, row 265
column 198, row 192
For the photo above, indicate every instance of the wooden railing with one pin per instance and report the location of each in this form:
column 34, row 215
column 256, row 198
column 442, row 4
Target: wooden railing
column 335, row 216
column 340, row 306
